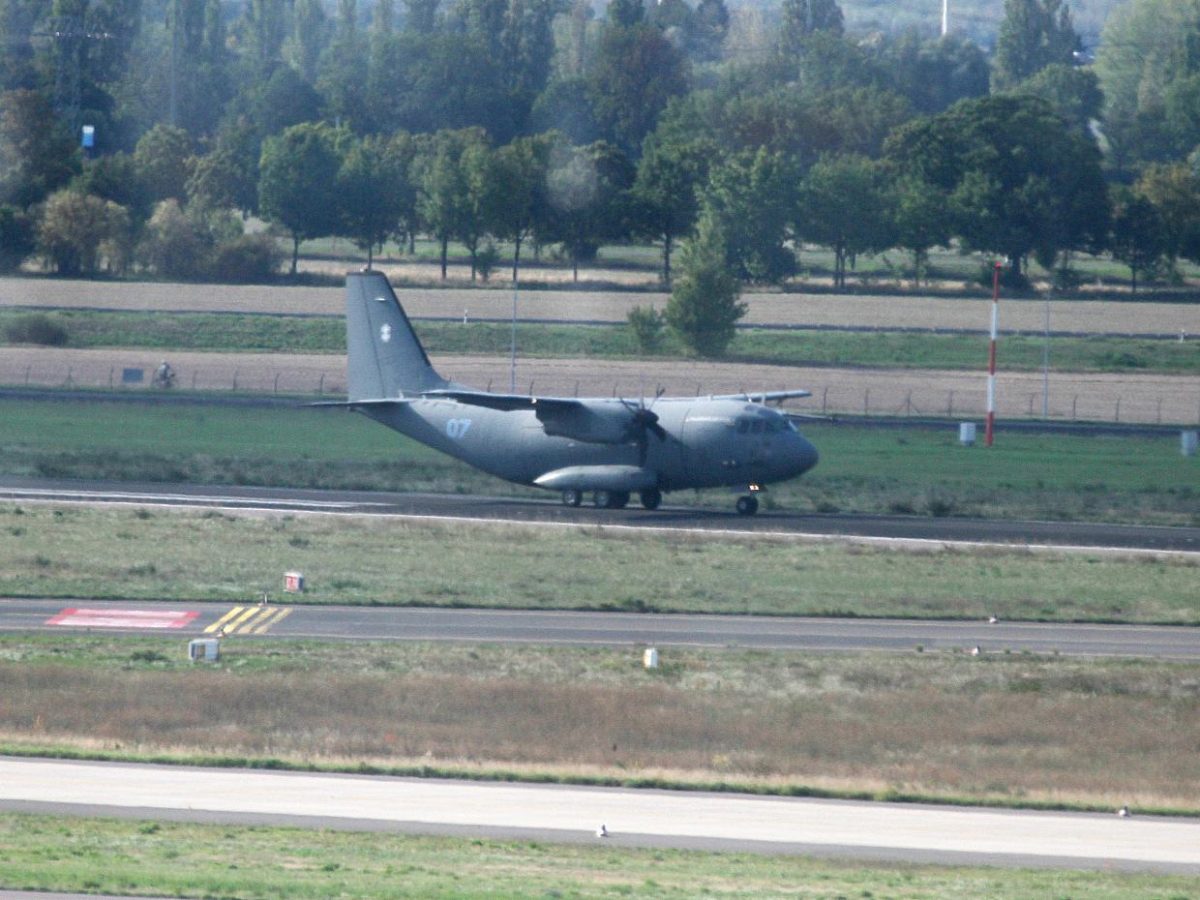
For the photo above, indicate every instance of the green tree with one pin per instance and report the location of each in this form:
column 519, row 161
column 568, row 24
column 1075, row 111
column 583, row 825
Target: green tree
column 285, row 99
column 665, row 194
column 921, row 217
column 518, row 202
column 373, row 192
column 444, row 201
column 1019, row 179
column 297, row 185
column 1033, row 34
column 308, row 39
column 340, row 78
column 704, row 309
column 800, row 18
column 172, row 244
column 933, row 74
column 37, row 153
column 17, row 238
column 587, row 191
column 75, row 230
column 750, row 199
column 162, row 156
column 1138, row 238
column 119, row 178
column 1074, row 93
column 1174, row 191
column 1146, row 46
column 636, row 72
column 843, row 205
column 478, row 163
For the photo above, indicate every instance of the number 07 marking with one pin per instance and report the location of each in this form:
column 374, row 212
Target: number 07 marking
column 457, row 428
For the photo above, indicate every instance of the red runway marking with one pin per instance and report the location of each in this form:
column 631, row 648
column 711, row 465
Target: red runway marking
column 122, row 618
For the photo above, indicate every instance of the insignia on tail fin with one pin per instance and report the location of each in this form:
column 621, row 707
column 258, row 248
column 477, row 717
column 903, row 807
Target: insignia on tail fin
column 385, row 357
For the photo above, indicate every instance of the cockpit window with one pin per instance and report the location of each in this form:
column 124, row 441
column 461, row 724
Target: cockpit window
column 757, row 426
column 743, row 426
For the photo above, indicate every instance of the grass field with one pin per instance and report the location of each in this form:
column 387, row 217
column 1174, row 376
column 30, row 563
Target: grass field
column 83, row 552
column 1009, row 730
column 178, row 860
column 862, row 469
column 217, row 332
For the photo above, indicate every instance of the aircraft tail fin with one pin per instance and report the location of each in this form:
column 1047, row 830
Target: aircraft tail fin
column 385, row 357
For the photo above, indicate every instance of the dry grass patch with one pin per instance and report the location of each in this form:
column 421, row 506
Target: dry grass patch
column 1008, row 729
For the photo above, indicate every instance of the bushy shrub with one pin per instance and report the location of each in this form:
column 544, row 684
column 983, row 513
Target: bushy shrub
column 246, row 259
column 647, row 324
column 36, row 329
column 172, row 244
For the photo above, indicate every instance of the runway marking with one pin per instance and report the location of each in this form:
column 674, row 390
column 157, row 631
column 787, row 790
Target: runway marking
column 248, row 620
column 74, row 617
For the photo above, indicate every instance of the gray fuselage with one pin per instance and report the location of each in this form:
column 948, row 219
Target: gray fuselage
column 709, row 442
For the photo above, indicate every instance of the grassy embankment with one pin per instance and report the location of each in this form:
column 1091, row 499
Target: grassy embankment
column 194, row 556
column 166, row 859
column 862, row 469
column 999, row 729
column 221, row 332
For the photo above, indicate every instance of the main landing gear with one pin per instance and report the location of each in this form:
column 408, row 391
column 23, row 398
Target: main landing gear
column 747, row 506
column 651, row 498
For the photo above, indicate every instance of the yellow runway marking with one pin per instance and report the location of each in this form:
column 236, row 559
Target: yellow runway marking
column 248, row 620
column 266, row 621
column 215, row 626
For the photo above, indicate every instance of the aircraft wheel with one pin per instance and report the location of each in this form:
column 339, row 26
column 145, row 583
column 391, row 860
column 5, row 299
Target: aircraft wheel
column 602, row 500
column 619, row 499
column 747, row 506
column 652, row 498
column 572, row 498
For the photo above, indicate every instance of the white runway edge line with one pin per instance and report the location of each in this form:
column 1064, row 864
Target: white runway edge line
column 334, row 508
column 124, row 498
column 1086, row 839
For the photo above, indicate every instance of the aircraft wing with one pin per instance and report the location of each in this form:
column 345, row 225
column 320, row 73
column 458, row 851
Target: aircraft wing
column 548, row 405
column 764, row 396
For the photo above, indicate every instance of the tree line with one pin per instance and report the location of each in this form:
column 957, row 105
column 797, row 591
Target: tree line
column 534, row 122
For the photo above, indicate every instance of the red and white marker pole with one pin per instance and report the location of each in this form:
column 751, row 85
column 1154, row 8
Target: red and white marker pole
column 989, row 428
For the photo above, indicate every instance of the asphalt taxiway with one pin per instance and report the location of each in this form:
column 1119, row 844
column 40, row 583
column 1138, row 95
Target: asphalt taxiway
column 913, row 529
column 634, row 818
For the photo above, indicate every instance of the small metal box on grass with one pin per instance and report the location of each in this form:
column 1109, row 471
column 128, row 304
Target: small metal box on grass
column 293, row 582
column 966, row 433
column 650, row 658
column 1187, row 442
column 204, row 650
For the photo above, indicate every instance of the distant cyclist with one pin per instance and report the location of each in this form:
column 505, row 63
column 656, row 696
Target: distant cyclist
column 164, row 375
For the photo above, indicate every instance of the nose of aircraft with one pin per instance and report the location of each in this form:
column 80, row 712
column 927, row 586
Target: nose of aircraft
column 805, row 455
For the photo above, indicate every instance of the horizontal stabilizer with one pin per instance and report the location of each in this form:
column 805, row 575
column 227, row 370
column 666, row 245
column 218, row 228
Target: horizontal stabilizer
column 764, row 396
column 362, row 404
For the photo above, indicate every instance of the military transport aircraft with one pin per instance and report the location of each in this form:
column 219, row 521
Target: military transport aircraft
column 608, row 446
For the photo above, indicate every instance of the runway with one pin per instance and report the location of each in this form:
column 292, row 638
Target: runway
column 595, row 629
column 634, row 818
column 915, row 530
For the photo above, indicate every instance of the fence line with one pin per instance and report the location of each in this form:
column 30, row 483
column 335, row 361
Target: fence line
column 1144, row 406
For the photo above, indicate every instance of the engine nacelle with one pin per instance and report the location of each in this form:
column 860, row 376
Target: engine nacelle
column 587, row 424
